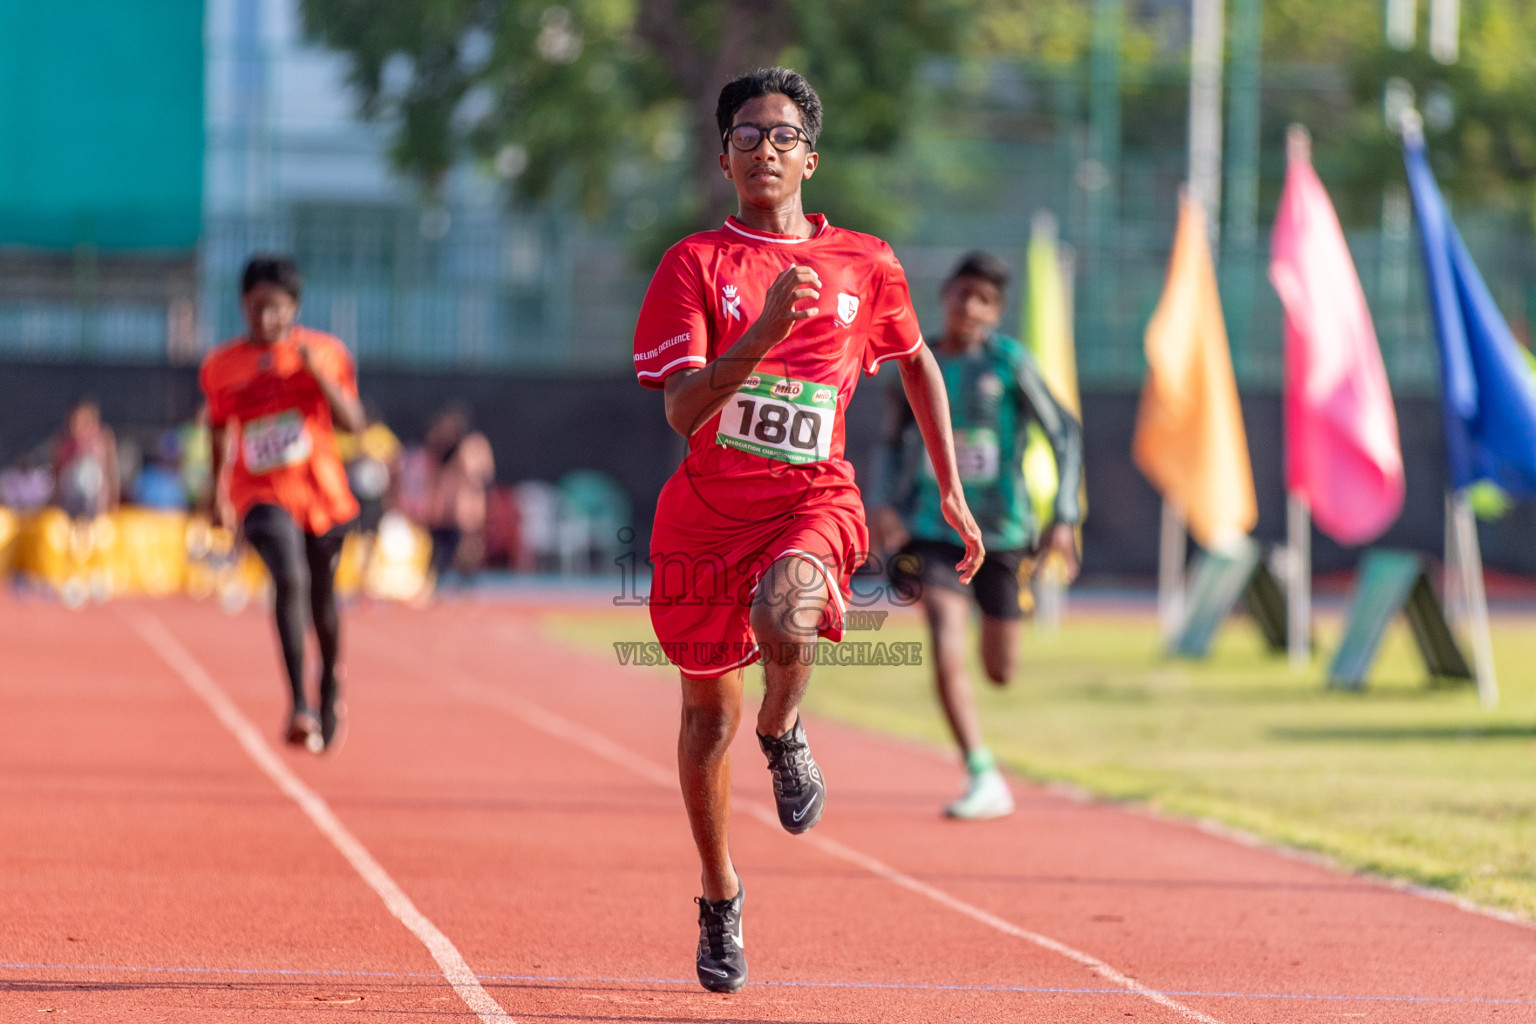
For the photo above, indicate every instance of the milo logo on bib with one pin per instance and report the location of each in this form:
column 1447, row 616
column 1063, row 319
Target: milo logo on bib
column 272, row 442
column 780, row 418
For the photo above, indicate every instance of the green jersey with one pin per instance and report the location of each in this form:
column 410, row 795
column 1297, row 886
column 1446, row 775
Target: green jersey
column 995, row 392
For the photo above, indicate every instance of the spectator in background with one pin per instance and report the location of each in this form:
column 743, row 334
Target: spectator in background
column 372, row 458
column 463, row 469
column 85, row 469
column 158, row 484
column 26, row 484
column 194, row 465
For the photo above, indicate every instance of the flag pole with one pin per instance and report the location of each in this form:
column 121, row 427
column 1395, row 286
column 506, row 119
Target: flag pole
column 1470, row 562
column 1050, row 597
column 1451, row 579
column 1172, row 550
column 1298, row 581
column 1205, row 47
column 1205, row 50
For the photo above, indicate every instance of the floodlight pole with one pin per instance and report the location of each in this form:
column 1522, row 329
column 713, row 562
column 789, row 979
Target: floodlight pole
column 1205, row 54
column 1205, row 49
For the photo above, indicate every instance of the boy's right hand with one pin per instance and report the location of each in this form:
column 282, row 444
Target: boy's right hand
column 220, row 511
column 795, row 285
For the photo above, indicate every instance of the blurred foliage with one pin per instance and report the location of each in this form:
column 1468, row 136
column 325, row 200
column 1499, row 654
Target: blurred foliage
column 1479, row 113
column 608, row 105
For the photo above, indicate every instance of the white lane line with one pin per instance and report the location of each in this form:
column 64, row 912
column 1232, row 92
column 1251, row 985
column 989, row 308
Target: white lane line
column 596, row 743
column 454, row 968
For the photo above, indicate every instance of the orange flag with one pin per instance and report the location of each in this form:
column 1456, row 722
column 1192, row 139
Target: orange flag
column 1190, row 442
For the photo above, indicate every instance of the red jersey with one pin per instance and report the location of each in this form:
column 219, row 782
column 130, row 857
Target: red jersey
column 284, row 439
column 782, row 433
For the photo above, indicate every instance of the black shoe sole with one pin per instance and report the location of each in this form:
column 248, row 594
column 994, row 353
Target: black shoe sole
column 332, row 739
column 722, row 985
column 796, row 828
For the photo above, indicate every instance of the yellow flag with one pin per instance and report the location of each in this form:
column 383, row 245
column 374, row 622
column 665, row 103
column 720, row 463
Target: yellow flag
column 1190, row 442
column 1048, row 317
column 1047, row 333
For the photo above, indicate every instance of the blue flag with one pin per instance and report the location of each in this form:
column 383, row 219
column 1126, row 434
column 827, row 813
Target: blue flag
column 1487, row 389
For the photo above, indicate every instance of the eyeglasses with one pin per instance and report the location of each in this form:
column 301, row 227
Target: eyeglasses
column 784, row 137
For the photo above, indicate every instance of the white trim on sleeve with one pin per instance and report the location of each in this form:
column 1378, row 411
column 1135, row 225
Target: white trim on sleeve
column 874, row 367
column 670, row 366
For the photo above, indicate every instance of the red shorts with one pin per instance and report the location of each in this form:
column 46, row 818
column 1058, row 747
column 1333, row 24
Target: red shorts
column 706, row 569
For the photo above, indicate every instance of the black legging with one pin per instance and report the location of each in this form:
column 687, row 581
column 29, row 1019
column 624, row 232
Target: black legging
column 300, row 562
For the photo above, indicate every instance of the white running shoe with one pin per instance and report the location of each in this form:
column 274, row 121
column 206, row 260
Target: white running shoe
column 987, row 796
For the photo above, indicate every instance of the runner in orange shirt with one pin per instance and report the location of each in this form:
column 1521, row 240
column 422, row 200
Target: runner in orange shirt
column 275, row 397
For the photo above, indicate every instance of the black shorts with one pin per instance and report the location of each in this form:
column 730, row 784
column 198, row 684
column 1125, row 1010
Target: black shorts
column 1000, row 586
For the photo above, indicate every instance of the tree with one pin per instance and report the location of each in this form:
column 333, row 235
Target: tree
column 593, row 101
column 1479, row 113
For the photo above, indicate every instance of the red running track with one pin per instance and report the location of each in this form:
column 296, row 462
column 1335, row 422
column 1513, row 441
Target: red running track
column 506, row 806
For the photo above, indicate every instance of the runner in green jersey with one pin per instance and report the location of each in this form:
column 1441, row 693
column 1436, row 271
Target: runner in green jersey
column 995, row 392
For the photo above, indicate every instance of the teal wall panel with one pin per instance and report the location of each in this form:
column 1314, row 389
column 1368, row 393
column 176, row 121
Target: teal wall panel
column 101, row 123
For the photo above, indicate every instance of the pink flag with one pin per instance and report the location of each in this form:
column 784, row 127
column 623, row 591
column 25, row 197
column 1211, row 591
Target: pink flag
column 1342, row 454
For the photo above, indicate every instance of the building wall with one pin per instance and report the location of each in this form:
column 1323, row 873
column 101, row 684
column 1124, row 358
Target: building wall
column 101, row 117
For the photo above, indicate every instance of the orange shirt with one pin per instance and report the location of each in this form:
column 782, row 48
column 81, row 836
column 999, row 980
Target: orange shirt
column 281, row 425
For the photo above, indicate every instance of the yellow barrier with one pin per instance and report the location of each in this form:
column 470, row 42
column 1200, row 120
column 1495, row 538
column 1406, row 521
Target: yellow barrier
column 214, row 568
column 10, row 526
column 155, row 553
column 393, row 565
column 71, row 558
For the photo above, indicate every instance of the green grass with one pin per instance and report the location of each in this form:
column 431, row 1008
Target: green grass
column 1403, row 780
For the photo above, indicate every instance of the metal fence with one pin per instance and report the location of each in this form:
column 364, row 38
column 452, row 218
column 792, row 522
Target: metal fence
column 480, row 289
column 547, row 294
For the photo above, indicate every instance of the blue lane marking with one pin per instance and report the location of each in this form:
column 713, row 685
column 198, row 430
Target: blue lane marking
column 915, row 986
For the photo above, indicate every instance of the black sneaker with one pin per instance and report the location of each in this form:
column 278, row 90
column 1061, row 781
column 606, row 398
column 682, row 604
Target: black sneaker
column 798, row 788
column 333, row 725
column 304, row 731
column 722, row 962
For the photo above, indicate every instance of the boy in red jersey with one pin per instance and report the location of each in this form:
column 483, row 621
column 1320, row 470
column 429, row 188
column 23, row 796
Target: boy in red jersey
column 280, row 391
column 757, row 332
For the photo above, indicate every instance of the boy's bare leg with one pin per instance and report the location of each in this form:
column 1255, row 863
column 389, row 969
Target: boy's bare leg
column 1000, row 647
column 711, row 713
column 948, row 614
column 790, row 601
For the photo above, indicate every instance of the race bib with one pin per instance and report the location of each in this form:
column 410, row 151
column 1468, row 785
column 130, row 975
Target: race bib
column 780, row 418
column 275, row 441
column 976, row 456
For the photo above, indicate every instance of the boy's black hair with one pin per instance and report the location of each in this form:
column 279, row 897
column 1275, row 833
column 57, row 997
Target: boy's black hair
column 272, row 268
column 770, row 82
column 983, row 265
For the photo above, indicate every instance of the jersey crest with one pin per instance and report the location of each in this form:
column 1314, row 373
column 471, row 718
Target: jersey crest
column 730, row 302
column 847, row 308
